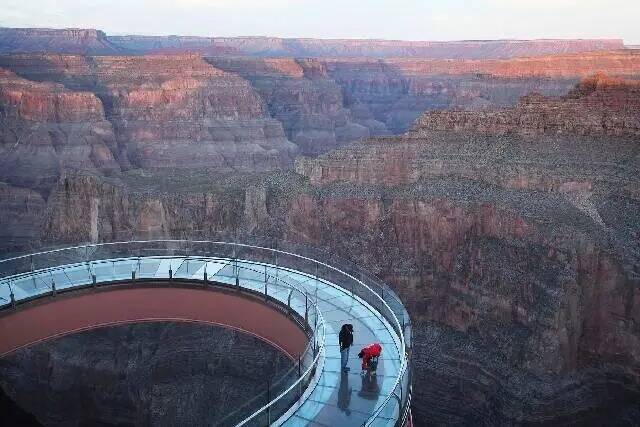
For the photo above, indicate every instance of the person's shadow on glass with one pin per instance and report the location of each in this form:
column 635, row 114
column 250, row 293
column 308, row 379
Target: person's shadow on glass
column 370, row 389
column 344, row 394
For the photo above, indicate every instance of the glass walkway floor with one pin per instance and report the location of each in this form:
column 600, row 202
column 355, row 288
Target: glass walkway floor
column 331, row 397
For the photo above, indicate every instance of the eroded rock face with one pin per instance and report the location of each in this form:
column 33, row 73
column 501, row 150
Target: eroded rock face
column 68, row 40
column 175, row 104
column 598, row 106
column 517, row 256
column 46, row 128
column 302, row 48
column 172, row 110
column 308, row 102
column 160, row 374
column 21, row 211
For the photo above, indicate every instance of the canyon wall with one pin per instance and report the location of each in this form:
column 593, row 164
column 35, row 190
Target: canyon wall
column 46, row 128
column 154, row 111
column 68, row 40
column 324, row 103
column 517, row 255
column 598, row 106
column 278, row 47
column 96, row 42
column 239, row 112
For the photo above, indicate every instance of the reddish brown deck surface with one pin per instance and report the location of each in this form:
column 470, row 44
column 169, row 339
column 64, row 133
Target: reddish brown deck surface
column 51, row 317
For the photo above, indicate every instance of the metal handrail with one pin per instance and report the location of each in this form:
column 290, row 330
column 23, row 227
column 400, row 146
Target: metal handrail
column 394, row 319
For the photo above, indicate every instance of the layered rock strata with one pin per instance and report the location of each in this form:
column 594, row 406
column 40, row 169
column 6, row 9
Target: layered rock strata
column 321, row 103
column 278, row 47
column 171, row 111
column 68, row 40
column 517, row 255
column 46, row 128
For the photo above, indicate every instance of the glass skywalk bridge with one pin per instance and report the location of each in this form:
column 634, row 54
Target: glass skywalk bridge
column 325, row 293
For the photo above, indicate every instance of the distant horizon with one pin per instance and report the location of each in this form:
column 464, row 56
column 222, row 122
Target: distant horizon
column 404, row 20
column 125, row 34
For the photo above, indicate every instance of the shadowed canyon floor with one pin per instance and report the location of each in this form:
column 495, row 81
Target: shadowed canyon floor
column 140, row 374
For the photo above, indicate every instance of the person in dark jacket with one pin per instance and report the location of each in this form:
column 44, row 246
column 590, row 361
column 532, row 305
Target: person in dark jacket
column 346, row 340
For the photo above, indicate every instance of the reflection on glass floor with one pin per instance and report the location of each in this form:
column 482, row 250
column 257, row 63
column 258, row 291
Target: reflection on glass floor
column 337, row 399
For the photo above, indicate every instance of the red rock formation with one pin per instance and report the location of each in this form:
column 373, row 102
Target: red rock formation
column 46, row 128
column 21, row 210
column 598, row 106
column 324, row 103
column 68, row 40
column 273, row 46
column 301, row 95
column 172, row 110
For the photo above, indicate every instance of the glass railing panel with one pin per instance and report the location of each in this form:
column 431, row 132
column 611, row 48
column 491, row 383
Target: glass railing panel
column 188, row 268
column 78, row 275
column 5, row 293
column 29, row 286
column 148, row 267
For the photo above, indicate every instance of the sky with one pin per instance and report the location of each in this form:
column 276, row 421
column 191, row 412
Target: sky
column 380, row 19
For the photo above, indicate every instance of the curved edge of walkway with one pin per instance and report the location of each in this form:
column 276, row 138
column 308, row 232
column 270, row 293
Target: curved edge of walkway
column 51, row 317
column 333, row 299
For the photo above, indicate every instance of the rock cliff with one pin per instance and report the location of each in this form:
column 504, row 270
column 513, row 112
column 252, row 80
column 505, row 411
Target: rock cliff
column 598, row 106
column 171, row 110
column 518, row 258
column 302, row 48
column 308, row 102
column 46, row 128
column 321, row 104
column 68, row 40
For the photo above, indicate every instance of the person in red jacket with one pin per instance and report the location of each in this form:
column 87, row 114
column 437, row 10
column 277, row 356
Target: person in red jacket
column 369, row 356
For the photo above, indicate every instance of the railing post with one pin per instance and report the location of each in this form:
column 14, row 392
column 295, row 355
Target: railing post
column 53, row 287
column 33, row 277
column 205, row 273
column 12, row 296
column 265, row 290
column 277, row 269
column 237, row 273
column 94, row 280
column 299, row 376
column 170, row 272
column 316, row 277
column 306, row 307
column 289, row 298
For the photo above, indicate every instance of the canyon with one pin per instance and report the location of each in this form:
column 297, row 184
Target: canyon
column 499, row 197
column 527, row 241
column 96, row 42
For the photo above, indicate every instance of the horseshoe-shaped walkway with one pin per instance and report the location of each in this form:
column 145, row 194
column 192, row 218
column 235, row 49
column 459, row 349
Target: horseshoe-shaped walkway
column 330, row 397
